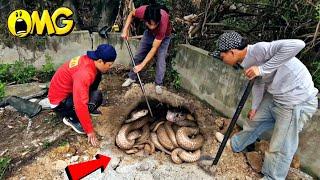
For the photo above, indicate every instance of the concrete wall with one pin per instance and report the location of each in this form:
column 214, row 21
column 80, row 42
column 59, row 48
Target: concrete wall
column 64, row 48
column 222, row 87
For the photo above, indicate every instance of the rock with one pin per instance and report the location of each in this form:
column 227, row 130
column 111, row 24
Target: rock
column 190, row 117
column 59, row 165
column 143, row 176
column 226, row 123
column 33, row 100
column 72, row 151
column 295, row 162
column 62, row 149
column 26, row 91
column 143, row 167
column 4, row 152
column 232, row 7
column 74, row 159
column 255, row 160
column 219, row 122
column 296, row 174
column 262, row 146
column 85, row 158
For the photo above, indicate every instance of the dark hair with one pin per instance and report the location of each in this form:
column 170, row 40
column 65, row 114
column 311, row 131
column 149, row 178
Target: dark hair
column 152, row 13
column 244, row 44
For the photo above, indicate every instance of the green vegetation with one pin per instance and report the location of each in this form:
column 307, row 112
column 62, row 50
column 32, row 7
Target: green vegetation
column 22, row 72
column 19, row 72
column 47, row 71
column 2, row 87
column 4, row 164
column 46, row 144
column 63, row 143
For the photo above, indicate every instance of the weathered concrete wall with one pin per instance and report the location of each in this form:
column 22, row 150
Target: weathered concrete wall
column 212, row 81
column 64, row 48
column 222, row 87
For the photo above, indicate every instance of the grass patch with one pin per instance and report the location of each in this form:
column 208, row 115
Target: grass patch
column 4, row 164
column 46, row 144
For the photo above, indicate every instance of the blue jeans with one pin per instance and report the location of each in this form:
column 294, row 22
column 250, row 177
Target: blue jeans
column 144, row 48
column 286, row 123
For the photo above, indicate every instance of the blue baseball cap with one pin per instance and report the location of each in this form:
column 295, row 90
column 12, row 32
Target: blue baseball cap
column 105, row 52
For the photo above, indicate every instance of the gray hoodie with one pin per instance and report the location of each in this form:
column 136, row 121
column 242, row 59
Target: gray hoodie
column 282, row 74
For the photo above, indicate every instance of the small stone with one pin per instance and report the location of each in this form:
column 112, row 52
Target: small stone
column 262, row 146
column 24, row 153
column 33, row 100
column 85, row 158
column 143, row 167
column 74, row 159
column 295, row 162
column 62, row 149
column 68, row 155
column 226, row 123
column 4, row 152
column 295, row 174
column 255, row 160
column 143, row 176
column 59, row 165
column 219, row 122
column 10, row 127
column 233, row 7
column 190, row 117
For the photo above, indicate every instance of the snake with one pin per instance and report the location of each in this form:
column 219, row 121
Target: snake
column 186, row 122
column 122, row 137
column 144, row 135
column 157, row 144
column 149, row 147
column 154, row 126
column 164, row 138
column 171, row 134
column 179, row 138
column 179, row 155
column 134, row 134
column 187, row 143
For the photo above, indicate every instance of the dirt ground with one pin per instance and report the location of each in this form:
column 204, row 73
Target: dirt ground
column 49, row 146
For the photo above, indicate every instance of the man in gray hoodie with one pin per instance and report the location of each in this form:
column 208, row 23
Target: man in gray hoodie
column 284, row 97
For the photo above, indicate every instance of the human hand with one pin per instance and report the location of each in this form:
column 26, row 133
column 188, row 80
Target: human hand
column 138, row 68
column 93, row 139
column 252, row 113
column 125, row 35
column 252, row 72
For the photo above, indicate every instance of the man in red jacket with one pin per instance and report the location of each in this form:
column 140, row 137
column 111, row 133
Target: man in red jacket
column 73, row 89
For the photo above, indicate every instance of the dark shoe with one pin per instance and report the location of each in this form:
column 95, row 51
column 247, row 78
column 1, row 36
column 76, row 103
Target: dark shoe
column 76, row 126
column 96, row 113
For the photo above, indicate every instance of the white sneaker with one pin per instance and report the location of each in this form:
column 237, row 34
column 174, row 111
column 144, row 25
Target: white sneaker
column 128, row 82
column 158, row 89
column 220, row 136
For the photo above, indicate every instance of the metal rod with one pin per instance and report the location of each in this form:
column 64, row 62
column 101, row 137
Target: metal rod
column 233, row 121
column 141, row 85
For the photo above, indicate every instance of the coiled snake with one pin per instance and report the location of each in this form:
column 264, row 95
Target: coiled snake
column 183, row 144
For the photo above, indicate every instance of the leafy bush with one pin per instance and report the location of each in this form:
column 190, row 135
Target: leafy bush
column 47, row 71
column 5, row 75
column 2, row 86
column 4, row 164
column 22, row 72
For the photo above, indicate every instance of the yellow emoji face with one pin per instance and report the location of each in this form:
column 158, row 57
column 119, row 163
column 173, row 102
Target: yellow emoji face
column 19, row 23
